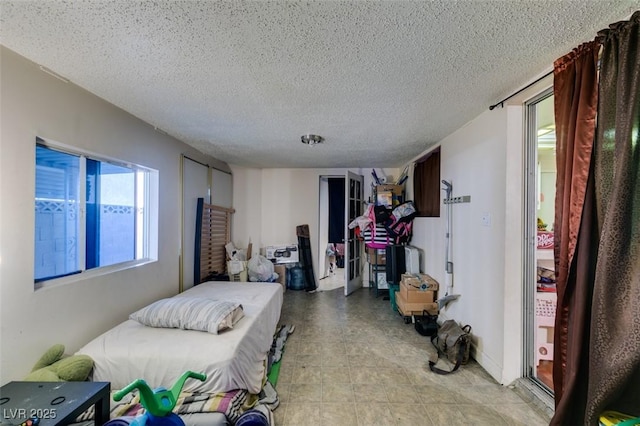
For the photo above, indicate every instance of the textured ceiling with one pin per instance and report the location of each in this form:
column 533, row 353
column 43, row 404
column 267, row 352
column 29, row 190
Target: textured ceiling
column 242, row 81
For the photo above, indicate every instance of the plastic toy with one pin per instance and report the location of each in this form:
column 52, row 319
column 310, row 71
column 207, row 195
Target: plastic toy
column 158, row 403
column 53, row 366
column 616, row 418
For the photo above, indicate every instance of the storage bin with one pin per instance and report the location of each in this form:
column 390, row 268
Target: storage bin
column 393, row 288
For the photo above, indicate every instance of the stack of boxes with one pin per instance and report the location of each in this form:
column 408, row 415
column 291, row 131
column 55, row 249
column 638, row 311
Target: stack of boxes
column 281, row 270
column 281, row 256
column 389, row 195
column 417, row 293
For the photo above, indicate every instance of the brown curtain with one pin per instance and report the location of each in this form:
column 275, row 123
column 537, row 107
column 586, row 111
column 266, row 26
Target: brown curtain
column 426, row 185
column 575, row 97
column 614, row 381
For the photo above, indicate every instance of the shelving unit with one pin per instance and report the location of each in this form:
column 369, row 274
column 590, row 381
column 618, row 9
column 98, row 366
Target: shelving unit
column 377, row 270
column 545, row 304
column 390, row 196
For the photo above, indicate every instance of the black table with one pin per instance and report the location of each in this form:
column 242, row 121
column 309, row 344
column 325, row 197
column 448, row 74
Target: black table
column 54, row 403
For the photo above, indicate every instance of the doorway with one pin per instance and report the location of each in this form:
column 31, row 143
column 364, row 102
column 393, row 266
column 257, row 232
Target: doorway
column 331, row 271
column 540, row 286
column 340, row 260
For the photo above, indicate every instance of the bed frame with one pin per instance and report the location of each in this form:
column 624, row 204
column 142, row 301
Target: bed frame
column 213, row 232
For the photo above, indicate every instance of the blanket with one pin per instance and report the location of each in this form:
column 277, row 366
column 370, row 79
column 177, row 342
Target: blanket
column 232, row 404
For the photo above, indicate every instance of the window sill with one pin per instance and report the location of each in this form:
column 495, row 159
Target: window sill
column 93, row 273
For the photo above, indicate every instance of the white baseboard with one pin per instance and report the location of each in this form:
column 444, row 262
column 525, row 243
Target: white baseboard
column 485, row 362
column 489, row 365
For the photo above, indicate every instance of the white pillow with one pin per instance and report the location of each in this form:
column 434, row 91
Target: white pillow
column 190, row 313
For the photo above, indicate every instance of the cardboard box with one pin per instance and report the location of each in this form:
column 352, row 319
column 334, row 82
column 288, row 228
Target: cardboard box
column 413, row 294
column 430, row 282
column 407, row 308
column 421, row 281
column 394, row 189
column 282, row 254
column 410, row 279
column 384, row 198
column 377, row 256
column 281, row 270
column 388, row 195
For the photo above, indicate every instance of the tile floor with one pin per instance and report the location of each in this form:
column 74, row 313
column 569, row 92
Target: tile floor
column 331, row 282
column 353, row 361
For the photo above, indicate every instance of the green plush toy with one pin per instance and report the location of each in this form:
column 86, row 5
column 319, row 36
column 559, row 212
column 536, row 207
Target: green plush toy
column 54, row 367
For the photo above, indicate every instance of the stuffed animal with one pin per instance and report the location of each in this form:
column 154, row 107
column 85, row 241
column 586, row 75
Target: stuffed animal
column 54, row 367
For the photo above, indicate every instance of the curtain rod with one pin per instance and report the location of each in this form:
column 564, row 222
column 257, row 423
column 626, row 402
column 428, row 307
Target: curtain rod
column 427, row 155
column 501, row 103
column 206, row 165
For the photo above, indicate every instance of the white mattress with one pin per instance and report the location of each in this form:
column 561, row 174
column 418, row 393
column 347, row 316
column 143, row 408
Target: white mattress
column 234, row 359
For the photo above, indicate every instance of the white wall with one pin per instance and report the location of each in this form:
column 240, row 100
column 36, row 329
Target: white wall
column 483, row 159
column 34, row 103
column 473, row 159
column 289, row 197
column 247, row 220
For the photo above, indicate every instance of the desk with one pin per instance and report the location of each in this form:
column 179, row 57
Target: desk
column 54, row 403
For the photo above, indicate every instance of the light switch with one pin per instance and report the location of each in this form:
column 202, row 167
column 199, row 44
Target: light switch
column 486, row 219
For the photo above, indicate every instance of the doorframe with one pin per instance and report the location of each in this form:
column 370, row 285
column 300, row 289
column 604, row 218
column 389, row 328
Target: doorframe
column 323, row 210
column 530, row 236
column 357, row 200
column 187, row 236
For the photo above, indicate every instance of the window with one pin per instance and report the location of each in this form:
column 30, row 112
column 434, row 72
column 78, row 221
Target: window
column 90, row 213
column 426, row 184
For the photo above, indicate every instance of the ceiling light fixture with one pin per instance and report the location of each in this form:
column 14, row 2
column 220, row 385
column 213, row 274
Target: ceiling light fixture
column 311, row 139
